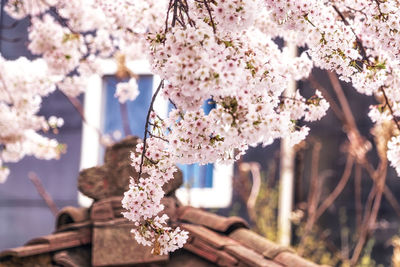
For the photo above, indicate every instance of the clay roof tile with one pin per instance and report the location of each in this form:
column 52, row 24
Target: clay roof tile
column 211, row 237
column 64, row 239
column 210, row 220
column 62, row 258
column 250, row 257
column 102, row 210
column 225, row 259
column 291, row 259
column 113, row 245
column 269, row 249
column 71, row 215
column 254, row 241
column 74, row 226
column 50, row 243
column 25, row 251
column 203, row 250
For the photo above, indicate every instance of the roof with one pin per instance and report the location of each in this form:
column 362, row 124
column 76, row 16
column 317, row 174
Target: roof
column 99, row 236
column 104, row 239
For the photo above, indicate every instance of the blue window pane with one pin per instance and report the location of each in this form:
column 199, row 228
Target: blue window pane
column 137, row 109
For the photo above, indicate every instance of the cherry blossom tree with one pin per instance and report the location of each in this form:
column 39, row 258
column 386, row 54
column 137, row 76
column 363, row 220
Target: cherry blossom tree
column 203, row 50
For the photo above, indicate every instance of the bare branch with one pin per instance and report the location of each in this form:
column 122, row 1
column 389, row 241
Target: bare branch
column 371, row 219
column 43, row 193
column 357, row 196
column 125, row 119
column 338, row 189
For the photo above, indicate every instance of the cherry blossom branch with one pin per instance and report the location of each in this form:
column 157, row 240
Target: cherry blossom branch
column 186, row 10
column 390, row 108
column 369, row 217
column 147, row 126
column 156, row 136
column 180, row 8
column 166, row 20
column 358, row 40
column 211, row 17
column 175, row 13
column 366, row 58
column 60, row 19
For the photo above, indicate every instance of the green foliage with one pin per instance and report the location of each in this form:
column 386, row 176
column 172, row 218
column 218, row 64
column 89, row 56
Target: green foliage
column 266, row 210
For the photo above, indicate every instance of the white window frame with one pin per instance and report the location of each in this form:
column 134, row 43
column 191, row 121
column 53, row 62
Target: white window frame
column 218, row 196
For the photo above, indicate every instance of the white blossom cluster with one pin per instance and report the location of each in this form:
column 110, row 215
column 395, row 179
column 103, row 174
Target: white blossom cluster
column 22, row 84
column 217, row 51
column 71, row 38
column 127, row 91
column 359, row 40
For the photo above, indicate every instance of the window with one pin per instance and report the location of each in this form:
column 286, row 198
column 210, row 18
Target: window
column 204, row 186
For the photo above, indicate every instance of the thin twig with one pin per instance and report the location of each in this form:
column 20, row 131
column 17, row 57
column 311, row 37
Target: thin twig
column 10, row 40
column 156, row 136
column 147, row 126
column 76, row 104
column 166, row 20
column 191, row 22
column 209, row 13
column 11, row 26
column 390, row 108
column 338, row 189
column 342, row 99
column 387, row 191
column 392, row 200
column 367, row 226
column 79, row 108
column 357, row 196
column 43, row 193
column 358, row 40
column 60, row 19
column 175, row 13
column 125, row 119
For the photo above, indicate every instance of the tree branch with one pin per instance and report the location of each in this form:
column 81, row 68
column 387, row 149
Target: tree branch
column 43, row 193
column 147, row 126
